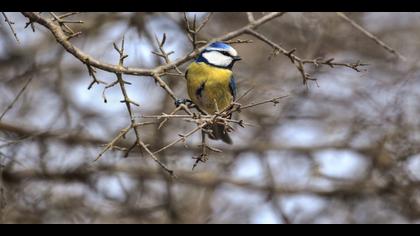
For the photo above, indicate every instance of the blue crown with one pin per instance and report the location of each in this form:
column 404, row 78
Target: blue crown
column 220, row 45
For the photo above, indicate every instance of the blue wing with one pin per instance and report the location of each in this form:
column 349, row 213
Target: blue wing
column 233, row 88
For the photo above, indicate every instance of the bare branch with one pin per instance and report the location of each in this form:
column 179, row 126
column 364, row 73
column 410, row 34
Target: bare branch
column 299, row 62
column 85, row 58
column 182, row 138
column 371, row 36
column 113, row 142
column 251, row 18
column 16, row 98
column 10, row 23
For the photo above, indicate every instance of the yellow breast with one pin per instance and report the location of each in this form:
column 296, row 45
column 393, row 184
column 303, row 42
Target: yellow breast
column 216, row 94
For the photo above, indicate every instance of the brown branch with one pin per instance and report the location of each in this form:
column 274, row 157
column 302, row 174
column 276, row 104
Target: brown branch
column 250, row 16
column 65, row 15
column 371, row 36
column 133, row 125
column 166, row 118
column 113, row 142
column 272, row 100
column 193, row 30
column 203, row 157
column 30, row 132
column 107, row 87
column 61, row 38
column 163, row 54
column 10, row 106
column 3, row 202
column 60, row 22
column 165, row 86
column 203, row 179
column 171, row 172
column 57, row 26
column 92, row 73
column 10, row 23
column 84, row 139
column 203, row 120
column 238, row 41
column 274, row 199
column 299, row 62
column 182, row 138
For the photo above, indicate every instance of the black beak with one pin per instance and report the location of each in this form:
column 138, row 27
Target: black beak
column 237, row 58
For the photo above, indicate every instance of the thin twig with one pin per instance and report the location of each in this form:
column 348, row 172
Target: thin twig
column 62, row 39
column 171, row 172
column 299, row 62
column 16, row 98
column 274, row 199
column 65, row 15
column 111, row 144
column 10, row 23
column 92, row 73
column 238, row 41
column 371, row 36
column 61, row 23
column 166, row 119
column 251, row 18
column 272, row 100
column 17, row 141
column 203, row 156
column 193, row 30
column 182, row 138
column 163, row 54
column 2, row 194
column 244, row 94
column 134, row 126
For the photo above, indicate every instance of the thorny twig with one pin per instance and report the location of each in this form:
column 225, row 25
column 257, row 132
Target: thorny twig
column 202, row 121
column 371, row 36
column 113, row 142
column 203, row 157
column 61, row 38
column 64, row 26
column 299, row 62
column 128, row 102
column 10, row 23
column 209, row 181
column 92, row 73
column 61, row 31
column 193, row 30
column 163, row 54
column 182, row 138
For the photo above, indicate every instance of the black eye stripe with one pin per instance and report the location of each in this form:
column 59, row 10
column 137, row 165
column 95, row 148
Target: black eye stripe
column 225, row 53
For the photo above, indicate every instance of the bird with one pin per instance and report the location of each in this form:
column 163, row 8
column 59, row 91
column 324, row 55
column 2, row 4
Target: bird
column 211, row 85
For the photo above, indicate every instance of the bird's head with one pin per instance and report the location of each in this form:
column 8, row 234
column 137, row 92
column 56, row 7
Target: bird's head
column 219, row 54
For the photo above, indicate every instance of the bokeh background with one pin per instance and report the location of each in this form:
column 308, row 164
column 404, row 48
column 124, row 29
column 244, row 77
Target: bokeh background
column 344, row 149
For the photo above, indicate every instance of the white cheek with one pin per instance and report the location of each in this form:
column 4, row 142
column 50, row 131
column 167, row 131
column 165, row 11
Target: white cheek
column 217, row 58
column 233, row 52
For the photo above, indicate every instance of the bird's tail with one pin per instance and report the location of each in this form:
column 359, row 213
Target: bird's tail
column 219, row 133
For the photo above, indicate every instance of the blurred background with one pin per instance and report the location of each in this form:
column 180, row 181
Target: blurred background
column 345, row 149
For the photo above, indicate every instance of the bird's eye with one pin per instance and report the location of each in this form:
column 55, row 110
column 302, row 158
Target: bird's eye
column 225, row 53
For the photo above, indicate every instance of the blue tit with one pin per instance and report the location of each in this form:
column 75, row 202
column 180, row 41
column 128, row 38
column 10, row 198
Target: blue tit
column 211, row 85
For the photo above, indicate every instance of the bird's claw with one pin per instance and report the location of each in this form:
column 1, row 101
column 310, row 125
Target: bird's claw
column 178, row 102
